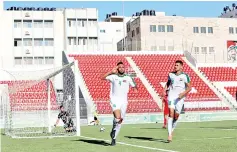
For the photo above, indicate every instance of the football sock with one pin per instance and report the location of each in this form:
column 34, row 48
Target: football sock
column 116, row 127
column 170, row 123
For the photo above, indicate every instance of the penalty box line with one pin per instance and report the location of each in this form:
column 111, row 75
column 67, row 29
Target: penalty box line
column 137, row 146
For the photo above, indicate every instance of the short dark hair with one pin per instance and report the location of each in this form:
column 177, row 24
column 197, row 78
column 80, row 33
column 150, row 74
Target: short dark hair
column 179, row 61
column 119, row 63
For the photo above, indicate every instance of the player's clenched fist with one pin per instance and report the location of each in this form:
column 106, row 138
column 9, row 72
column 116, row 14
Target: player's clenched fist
column 115, row 70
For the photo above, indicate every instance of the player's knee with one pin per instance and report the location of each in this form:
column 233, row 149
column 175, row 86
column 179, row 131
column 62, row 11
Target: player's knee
column 171, row 114
column 120, row 121
column 176, row 117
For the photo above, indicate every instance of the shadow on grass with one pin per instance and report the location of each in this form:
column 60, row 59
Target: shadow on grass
column 95, row 142
column 147, row 138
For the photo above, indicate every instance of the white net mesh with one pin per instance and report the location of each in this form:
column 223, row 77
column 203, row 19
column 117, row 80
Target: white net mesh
column 31, row 103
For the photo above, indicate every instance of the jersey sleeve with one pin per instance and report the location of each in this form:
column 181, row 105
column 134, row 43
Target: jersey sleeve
column 187, row 80
column 132, row 82
column 110, row 77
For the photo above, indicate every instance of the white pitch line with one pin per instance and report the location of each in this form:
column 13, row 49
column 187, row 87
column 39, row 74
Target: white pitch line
column 137, row 146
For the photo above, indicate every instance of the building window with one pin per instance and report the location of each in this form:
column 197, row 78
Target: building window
column 170, row 28
column 48, row 24
column 38, row 24
column 71, row 22
column 211, row 50
column 210, row 29
column 28, row 60
column 17, row 42
column 83, row 41
column 92, row 22
column 82, row 22
column 102, row 31
column 137, row 30
column 17, row 23
column 133, row 33
column 72, row 41
column 38, row 60
column 38, row 42
column 231, row 30
column 196, row 50
column 79, row 41
column 49, row 60
column 93, row 41
column 161, row 28
column 203, row 30
column 69, row 40
column 152, row 28
column 18, row 60
column 27, row 42
column 195, row 30
column 27, row 23
column 49, row 42
column 204, row 50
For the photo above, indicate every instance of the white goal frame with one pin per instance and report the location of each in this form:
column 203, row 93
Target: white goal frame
column 75, row 70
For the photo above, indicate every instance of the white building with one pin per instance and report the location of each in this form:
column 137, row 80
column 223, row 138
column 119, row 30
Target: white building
column 37, row 38
column 111, row 31
column 207, row 39
column 81, row 29
column 33, row 38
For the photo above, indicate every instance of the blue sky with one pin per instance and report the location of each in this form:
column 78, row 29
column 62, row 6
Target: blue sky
column 184, row 8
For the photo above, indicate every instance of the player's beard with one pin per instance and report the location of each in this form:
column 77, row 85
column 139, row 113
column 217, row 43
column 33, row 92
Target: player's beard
column 120, row 73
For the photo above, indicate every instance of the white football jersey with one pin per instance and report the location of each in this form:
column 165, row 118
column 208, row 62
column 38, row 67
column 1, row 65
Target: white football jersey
column 120, row 86
column 177, row 83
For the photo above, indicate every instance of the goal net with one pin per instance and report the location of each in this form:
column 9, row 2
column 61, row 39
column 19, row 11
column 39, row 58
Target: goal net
column 31, row 103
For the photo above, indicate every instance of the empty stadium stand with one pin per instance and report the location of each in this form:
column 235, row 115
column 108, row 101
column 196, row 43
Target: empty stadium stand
column 220, row 73
column 30, row 95
column 155, row 69
column 232, row 90
column 94, row 66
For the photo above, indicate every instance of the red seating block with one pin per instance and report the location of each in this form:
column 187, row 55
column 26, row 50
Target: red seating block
column 220, row 73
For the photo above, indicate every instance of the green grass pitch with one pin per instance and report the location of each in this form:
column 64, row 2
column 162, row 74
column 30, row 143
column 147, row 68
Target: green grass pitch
column 188, row 137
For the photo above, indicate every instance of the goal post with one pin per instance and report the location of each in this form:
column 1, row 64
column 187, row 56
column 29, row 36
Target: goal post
column 31, row 103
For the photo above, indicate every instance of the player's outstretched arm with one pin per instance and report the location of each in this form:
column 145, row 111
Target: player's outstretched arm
column 114, row 71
